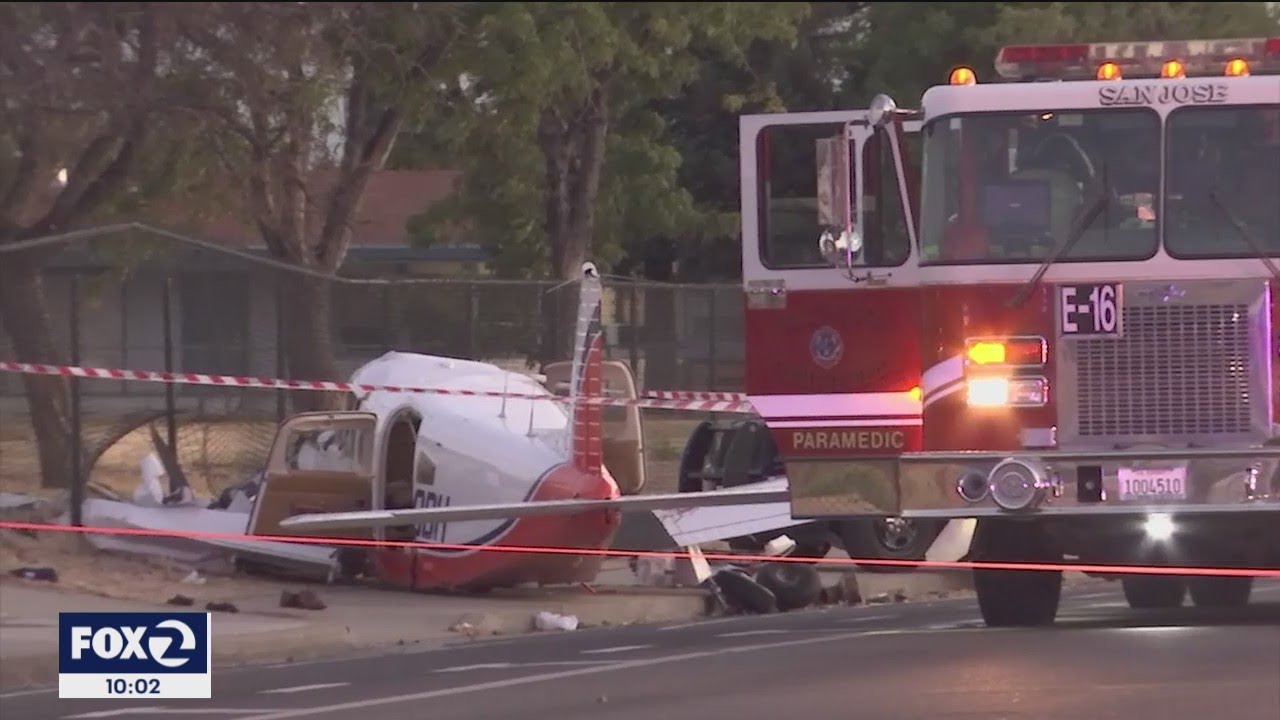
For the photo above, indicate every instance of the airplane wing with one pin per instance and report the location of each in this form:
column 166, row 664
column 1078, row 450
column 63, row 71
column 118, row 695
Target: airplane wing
column 750, row 495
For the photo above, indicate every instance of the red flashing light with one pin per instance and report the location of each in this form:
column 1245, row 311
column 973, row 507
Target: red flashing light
column 1044, row 53
column 1170, row 59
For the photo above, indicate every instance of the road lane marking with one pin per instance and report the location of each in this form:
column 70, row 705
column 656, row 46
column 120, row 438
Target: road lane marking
column 302, row 688
column 561, row 675
column 617, row 649
column 122, row 712
column 746, row 633
column 506, row 665
column 868, row 618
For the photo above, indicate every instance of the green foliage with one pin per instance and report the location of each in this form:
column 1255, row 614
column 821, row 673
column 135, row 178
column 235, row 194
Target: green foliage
column 528, row 63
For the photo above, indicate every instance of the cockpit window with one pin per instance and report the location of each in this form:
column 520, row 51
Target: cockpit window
column 1222, row 181
column 1008, row 187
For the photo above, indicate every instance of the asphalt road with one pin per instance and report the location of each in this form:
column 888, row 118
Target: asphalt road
column 920, row 661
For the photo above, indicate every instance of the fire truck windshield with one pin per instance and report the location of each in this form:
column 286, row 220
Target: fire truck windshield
column 1008, row 187
column 1232, row 153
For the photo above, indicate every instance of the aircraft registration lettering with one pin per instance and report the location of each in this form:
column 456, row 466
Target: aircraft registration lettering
column 843, row 439
column 432, row 531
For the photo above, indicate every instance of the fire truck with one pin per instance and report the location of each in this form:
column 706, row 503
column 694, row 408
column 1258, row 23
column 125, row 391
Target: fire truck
column 1040, row 308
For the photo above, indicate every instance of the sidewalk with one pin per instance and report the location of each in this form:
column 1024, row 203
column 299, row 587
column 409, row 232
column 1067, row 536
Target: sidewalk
column 356, row 618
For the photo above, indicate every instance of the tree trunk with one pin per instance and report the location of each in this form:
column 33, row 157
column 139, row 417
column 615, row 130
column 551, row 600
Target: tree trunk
column 308, row 342
column 25, row 318
column 573, row 155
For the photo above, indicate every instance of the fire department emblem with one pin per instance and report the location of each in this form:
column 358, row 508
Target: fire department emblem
column 826, row 347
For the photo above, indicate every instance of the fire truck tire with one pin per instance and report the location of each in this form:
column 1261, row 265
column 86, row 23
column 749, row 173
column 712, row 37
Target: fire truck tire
column 745, row 593
column 1016, row 598
column 875, row 539
column 1145, row 592
column 1220, row 591
column 795, row 586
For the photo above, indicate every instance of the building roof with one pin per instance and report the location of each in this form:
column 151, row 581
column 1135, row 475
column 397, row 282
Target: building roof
column 390, row 200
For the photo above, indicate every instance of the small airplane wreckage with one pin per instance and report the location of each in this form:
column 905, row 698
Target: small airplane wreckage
column 440, row 481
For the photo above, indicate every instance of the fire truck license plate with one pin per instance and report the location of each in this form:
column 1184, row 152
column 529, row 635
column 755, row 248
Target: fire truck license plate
column 1153, row 484
column 1093, row 309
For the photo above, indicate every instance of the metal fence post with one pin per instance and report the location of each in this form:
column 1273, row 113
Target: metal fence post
column 170, row 401
column 634, row 345
column 711, row 339
column 77, row 445
column 281, row 398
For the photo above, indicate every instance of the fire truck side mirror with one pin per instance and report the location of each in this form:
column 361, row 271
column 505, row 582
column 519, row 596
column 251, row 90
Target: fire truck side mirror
column 881, row 110
column 840, row 243
column 840, row 248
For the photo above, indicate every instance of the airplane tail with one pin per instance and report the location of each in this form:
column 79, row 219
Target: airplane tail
column 586, row 428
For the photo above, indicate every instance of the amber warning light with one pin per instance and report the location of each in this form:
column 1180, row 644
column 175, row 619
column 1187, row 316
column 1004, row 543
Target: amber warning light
column 1171, row 60
column 1006, row 351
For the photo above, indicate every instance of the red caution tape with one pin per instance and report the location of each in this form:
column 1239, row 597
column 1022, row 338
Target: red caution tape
column 925, row 564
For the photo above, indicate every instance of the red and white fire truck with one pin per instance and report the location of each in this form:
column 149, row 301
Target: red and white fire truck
column 1043, row 308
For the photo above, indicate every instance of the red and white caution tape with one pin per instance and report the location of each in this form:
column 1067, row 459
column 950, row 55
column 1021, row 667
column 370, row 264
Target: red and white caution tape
column 699, row 395
column 660, row 402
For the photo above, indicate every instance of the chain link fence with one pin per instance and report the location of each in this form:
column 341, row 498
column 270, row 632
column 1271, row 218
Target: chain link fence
column 138, row 302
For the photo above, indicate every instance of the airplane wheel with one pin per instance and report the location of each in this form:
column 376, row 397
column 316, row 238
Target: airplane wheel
column 1017, row 598
column 1155, row 591
column 1220, row 591
column 742, row 592
column 794, row 585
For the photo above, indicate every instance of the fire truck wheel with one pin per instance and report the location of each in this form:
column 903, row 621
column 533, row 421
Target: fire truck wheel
column 889, row 539
column 1153, row 591
column 1220, row 591
column 795, row 585
column 1016, row 598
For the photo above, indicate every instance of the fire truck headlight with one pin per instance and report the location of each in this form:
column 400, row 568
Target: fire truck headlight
column 1008, row 392
column 988, row 392
column 1158, row 527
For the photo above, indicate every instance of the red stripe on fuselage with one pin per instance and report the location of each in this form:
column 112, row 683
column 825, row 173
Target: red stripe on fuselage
column 410, row 568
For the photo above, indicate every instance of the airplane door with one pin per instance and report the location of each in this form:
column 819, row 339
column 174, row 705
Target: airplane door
column 319, row 462
column 833, row 350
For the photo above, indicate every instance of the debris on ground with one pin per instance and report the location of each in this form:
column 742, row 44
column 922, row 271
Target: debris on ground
column 794, row 586
column 304, row 600
column 546, row 621
column 45, row 574
column 221, row 607
column 180, row 601
column 744, row 594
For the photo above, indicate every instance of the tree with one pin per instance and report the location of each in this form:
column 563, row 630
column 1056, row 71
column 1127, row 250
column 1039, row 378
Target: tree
column 554, row 120
column 307, row 100
column 84, row 102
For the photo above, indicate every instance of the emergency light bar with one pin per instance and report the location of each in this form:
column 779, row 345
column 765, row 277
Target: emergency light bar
column 1114, row 61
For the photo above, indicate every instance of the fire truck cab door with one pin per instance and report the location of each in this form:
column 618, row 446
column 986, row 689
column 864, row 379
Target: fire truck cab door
column 833, row 300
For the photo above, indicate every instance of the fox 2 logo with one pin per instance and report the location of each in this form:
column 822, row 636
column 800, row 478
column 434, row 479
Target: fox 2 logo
column 126, row 643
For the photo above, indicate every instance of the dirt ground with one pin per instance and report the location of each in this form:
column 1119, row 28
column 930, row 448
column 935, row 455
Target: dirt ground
column 83, row 569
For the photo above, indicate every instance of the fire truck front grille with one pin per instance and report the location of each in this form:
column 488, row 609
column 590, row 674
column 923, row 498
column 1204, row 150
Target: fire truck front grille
column 1188, row 368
